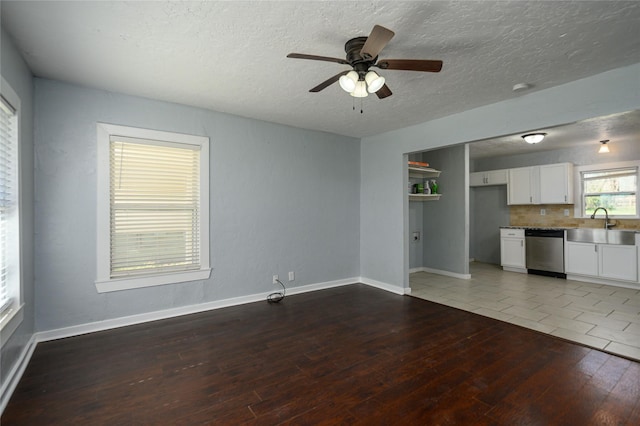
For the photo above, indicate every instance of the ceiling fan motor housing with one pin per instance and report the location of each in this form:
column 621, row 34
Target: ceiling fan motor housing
column 356, row 60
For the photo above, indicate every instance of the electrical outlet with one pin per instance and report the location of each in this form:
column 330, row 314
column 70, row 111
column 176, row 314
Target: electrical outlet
column 291, row 276
column 566, row 212
column 543, row 212
column 275, row 279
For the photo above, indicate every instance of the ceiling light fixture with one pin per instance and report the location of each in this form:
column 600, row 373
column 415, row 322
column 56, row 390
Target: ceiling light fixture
column 361, row 90
column 604, row 148
column 359, row 85
column 520, row 87
column 348, row 81
column 374, row 81
column 533, row 137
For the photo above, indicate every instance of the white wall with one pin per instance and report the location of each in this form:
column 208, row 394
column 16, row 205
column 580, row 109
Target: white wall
column 282, row 199
column 384, row 242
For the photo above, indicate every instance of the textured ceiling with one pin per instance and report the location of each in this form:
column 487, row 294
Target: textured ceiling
column 231, row 56
column 617, row 128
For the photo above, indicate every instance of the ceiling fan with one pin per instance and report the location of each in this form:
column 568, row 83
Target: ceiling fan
column 362, row 54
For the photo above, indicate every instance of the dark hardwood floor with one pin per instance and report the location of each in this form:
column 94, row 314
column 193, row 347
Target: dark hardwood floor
column 349, row 355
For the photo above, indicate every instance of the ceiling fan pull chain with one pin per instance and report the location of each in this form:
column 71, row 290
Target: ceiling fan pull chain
column 361, row 105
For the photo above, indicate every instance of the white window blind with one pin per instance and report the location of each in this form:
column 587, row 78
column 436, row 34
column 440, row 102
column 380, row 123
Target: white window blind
column 8, row 200
column 155, row 207
column 613, row 189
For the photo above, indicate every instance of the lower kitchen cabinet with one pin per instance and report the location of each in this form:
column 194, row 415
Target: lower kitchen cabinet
column 512, row 249
column 618, row 262
column 607, row 261
column 581, row 259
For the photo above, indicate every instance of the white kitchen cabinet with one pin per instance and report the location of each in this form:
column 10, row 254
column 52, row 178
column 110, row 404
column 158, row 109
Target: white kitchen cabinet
column 556, row 183
column 618, row 262
column 606, row 261
column 491, row 177
column 581, row 258
column 522, row 187
column 548, row 184
column 512, row 250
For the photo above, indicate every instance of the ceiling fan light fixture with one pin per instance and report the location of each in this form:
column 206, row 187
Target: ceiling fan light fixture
column 533, row 137
column 374, row 81
column 348, row 81
column 360, row 90
column 604, row 148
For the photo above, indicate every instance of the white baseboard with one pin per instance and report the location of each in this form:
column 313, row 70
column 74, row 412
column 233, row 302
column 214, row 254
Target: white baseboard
column 383, row 286
column 92, row 327
column 15, row 374
column 440, row 272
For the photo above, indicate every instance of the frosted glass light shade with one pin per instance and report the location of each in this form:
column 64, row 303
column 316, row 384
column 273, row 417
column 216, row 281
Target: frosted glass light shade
column 534, row 137
column 348, row 81
column 360, row 90
column 604, row 148
column 374, row 81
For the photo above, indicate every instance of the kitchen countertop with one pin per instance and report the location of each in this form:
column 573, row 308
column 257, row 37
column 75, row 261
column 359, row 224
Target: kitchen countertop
column 537, row 227
column 562, row 228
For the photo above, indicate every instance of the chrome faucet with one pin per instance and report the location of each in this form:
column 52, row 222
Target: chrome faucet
column 607, row 224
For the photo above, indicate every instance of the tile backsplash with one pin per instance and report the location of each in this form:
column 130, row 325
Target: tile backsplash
column 554, row 217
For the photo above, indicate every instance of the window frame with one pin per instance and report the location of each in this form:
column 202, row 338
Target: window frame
column 603, row 167
column 12, row 317
column 104, row 282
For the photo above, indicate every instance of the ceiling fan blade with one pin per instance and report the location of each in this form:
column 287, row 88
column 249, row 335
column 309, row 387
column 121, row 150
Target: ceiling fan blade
column 376, row 41
column 425, row 65
column 328, row 82
column 384, row 92
column 317, row 58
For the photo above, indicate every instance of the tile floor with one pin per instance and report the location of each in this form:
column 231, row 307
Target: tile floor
column 599, row 316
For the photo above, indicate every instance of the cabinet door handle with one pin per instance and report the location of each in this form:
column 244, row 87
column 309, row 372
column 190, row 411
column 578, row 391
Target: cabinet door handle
column 521, row 243
column 595, row 248
column 531, row 199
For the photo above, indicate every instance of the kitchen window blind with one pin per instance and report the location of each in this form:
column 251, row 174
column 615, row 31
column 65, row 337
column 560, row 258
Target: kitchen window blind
column 154, row 207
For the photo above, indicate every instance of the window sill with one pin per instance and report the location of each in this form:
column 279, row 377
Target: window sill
column 105, row 286
column 9, row 323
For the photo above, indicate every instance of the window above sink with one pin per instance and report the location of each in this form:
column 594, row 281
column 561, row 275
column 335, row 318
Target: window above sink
column 613, row 186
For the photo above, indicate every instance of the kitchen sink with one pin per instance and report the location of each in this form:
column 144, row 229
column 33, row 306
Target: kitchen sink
column 602, row 236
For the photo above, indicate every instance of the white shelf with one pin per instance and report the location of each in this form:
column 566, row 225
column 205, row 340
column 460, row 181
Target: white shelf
column 424, row 197
column 423, row 172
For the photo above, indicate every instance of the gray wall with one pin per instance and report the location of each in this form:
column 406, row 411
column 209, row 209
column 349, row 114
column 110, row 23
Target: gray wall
column 488, row 212
column 17, row 74
column 383, row 213
column 444, row 219
column 282, row 199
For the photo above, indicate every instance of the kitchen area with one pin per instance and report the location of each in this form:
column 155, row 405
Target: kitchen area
column 547, row 251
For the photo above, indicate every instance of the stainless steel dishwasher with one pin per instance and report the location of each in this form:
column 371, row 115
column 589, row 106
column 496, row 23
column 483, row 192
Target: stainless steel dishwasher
column 545, row 252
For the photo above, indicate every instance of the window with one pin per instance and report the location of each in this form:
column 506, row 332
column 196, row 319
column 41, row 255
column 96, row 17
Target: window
column 613, row 187
column 10, row 289
column 153, row 203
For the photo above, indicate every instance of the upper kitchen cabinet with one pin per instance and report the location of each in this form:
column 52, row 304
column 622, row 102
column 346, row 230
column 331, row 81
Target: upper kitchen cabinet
column 491, row 177
column 522, row 186
column 548, row 184
column 556, row 184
